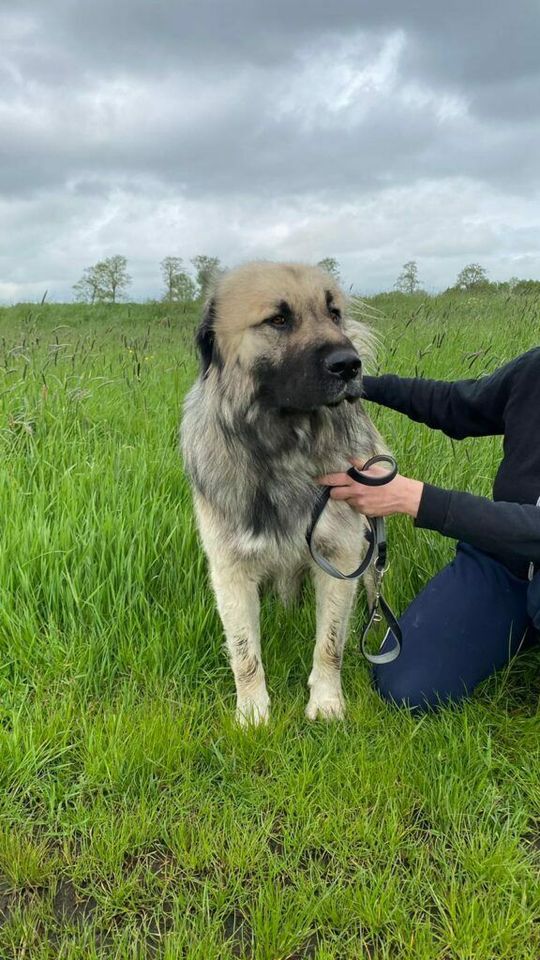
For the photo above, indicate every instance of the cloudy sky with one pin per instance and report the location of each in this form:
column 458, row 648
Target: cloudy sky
column 374, row 131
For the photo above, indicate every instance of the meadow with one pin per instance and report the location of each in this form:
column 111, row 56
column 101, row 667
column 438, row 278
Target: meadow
column 136, row 820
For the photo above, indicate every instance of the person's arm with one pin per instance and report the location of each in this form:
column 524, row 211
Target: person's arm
column 493, row 526
column 463, row 408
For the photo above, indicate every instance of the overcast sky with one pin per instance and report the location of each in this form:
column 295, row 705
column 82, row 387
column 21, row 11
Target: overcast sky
column 374, row 132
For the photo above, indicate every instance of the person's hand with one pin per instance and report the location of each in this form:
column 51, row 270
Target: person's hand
column 401, row 495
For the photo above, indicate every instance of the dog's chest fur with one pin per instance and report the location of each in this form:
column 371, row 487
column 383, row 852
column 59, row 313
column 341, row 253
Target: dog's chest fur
column 255, row 470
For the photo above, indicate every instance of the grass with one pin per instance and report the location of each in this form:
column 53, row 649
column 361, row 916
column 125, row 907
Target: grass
column 136, row 820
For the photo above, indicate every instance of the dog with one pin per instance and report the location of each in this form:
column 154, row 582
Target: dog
column 277, row 404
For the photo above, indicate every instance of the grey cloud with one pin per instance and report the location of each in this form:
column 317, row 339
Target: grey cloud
column 229, row 105
column 462, row 44
column 246, row 147
column 516, row 101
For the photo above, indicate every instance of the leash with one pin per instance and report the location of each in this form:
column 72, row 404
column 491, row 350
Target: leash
column 377, row 554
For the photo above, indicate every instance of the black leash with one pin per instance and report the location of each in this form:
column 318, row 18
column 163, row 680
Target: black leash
column 376, row 555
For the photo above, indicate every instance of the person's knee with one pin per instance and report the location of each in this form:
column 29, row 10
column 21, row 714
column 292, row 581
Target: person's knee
column 405, row 691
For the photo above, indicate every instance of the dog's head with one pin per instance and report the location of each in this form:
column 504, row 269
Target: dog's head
column 282, row 328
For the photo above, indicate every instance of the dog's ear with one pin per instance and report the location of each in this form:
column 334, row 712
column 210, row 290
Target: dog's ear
column 206, row 336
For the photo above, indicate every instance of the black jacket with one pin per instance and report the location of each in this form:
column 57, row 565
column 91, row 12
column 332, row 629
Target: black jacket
column 507, row 403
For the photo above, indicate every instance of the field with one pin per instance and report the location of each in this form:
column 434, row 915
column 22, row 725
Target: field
column 136, row 820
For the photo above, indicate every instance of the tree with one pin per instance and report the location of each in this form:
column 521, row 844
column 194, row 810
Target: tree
column 185, row 288
column 472, row 277
column 527, row 287
column 179, row 286
column 106, row 281
column 408, row 281
column 87, row 288
column 170, row 268
column 331, row 266
column 114, row 278
column 206, row 268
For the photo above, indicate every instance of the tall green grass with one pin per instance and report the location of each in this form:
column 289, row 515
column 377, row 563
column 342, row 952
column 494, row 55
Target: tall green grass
column 135, row 819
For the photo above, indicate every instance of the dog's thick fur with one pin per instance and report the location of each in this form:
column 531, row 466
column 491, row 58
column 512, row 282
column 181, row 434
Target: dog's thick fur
column 263, row 420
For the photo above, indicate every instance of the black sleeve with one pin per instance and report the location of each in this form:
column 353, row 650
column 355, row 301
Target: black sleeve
column 496, row 527
column 464, row 408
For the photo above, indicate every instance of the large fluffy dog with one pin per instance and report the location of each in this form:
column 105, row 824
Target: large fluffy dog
column 276, row 405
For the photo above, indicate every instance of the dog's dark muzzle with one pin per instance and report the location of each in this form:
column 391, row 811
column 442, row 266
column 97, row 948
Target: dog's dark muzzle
column 342, row 370
column 343, row 364
column 321, row 376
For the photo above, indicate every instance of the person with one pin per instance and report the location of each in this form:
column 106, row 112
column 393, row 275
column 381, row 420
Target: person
column 481, row 609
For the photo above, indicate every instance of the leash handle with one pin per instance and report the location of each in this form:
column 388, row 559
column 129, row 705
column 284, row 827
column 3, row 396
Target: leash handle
column 321, row 561
column 381, row 481
column 377, row 538
column 376, row 554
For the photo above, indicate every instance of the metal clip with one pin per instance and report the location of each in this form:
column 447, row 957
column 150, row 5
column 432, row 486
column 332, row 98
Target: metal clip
column 376, row 617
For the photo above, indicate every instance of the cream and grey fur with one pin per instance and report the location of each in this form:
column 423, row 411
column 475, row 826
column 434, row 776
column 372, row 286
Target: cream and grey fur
column 267, row 415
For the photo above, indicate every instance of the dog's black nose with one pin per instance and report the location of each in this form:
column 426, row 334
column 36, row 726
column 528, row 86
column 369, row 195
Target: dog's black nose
column 344, row 363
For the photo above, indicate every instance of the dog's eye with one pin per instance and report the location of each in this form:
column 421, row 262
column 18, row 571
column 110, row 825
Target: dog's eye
column 335, row 313
column 278, row 320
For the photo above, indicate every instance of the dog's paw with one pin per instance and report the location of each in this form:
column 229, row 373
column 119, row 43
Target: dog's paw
column 253, row 711
column 325, row 705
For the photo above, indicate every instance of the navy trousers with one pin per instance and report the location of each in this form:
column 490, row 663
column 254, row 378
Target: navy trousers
column 468, row 622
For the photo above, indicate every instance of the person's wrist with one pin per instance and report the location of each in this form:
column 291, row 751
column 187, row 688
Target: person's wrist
column 411, row 497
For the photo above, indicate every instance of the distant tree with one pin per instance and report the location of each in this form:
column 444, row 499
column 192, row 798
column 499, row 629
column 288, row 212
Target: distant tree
column 408, row 281
column 106, row 281
column 88, row 288
column 472, row 277
column 185, row 290
column 114, row 278
column 170, row 268
column 527, row 287
column 331, row 266
column 179, row 286
column 206, row 268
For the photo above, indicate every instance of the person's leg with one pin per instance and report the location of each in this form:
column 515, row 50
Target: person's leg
column 468, row 622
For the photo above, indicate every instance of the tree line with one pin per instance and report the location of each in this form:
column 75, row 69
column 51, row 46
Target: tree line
column 472, row 278
column 108, row 280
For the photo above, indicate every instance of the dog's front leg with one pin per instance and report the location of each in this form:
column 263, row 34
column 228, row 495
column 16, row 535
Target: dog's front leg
column 334, row 603
column 237, row 598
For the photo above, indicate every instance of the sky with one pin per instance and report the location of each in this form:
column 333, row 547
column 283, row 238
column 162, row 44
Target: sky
column 374, row 132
